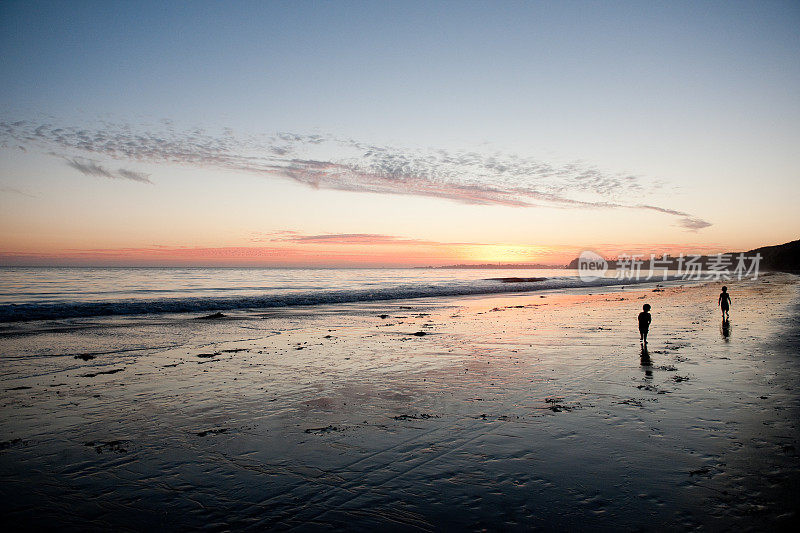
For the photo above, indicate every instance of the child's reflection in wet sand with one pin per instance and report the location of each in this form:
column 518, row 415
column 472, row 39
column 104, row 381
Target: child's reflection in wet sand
column 647, row 364
column 726, row 329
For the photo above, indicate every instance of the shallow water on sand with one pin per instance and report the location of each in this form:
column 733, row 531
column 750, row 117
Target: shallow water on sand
column 513, row 412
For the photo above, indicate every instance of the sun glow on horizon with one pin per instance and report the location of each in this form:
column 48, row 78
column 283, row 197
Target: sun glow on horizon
column 313, row 253
column 508, row 254
column 296, row 249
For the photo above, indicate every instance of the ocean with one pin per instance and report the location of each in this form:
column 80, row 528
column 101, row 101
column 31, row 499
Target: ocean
column 60, row 293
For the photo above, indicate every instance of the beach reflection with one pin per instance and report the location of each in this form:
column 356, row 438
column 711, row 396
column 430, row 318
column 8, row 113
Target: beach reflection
column 725, row 329
column 646, row 362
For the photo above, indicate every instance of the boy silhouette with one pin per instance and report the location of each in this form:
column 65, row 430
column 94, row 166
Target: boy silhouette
column 644, row 322
column 725, row 303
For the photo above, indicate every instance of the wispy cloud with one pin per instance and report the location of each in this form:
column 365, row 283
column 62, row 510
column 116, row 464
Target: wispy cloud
column 14, row 190
column 92, row 168
column 693, row 224
column 686, row 220
column 369, row 239
column 463, row 176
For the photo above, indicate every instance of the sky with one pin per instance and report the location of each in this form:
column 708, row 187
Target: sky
column 395, row 133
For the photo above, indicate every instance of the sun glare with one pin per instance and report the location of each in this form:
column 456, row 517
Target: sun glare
column 500, row 253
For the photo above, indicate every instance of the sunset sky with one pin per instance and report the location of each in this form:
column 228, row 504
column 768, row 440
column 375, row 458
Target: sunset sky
column 392, row 134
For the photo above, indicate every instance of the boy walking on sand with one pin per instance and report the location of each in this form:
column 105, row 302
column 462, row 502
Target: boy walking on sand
column 724, row 302
column 644, row 322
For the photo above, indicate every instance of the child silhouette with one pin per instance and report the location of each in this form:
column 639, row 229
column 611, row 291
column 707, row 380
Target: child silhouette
column 644, row 322
column 725, row 303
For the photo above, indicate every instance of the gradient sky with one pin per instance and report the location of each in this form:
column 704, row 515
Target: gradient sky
column 402, row 133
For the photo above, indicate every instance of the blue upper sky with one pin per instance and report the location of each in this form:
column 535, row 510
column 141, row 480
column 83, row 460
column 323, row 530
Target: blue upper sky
column 461, row 67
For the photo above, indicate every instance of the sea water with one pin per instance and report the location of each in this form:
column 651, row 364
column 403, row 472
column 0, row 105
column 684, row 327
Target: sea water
column 46, row 293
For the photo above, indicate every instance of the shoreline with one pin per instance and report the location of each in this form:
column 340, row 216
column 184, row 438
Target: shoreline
column 514, row 411
column 237, row 310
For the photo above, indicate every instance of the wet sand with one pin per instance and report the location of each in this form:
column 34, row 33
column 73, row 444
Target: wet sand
column 531, row 411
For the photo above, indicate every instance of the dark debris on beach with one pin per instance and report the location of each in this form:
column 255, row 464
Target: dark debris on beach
column 95, row 374
column 322, row 431
column 423, row 416
column 208, row 432
column 212, row 316
column 115, row 446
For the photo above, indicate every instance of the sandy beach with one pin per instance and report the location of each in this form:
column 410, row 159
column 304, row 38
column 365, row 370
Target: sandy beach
column 514, row 412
